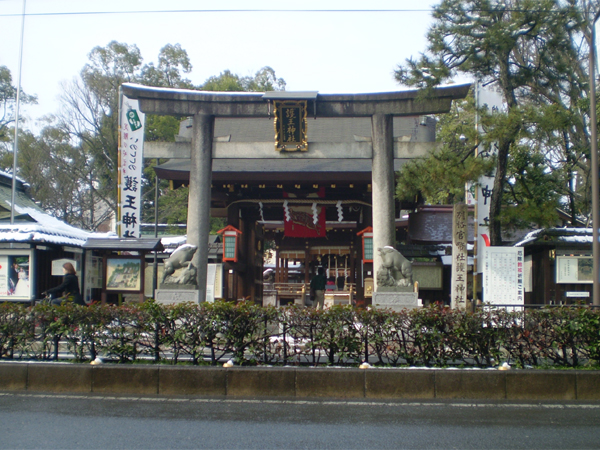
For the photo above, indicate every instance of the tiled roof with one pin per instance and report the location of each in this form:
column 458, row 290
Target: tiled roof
column 434, row 226
column 280, row 169
column 21, row 199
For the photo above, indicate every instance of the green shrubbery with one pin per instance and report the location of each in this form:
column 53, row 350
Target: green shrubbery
column 249, row 334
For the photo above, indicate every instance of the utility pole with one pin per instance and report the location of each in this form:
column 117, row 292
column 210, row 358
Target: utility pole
column 18, row 103
column 594, row 165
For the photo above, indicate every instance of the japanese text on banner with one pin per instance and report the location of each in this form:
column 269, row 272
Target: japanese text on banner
column 131, row 164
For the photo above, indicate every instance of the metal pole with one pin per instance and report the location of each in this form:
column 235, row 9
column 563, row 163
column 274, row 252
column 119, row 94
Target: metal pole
column 155, row 268
column 476, row 248
column 594, row 165
column 18, row 102
column 119, row 162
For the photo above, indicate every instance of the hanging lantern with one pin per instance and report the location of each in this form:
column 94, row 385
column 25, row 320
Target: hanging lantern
column 367, row 243
column 230, row 243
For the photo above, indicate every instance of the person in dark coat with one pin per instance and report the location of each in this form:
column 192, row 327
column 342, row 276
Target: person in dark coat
column 317, row 288
column 68, row 290
column 13, row 278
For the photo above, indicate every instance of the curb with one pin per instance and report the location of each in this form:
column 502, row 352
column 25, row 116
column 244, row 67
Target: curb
column 301, row 382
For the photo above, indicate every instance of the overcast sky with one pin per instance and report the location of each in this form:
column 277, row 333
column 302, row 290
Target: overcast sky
column 341, row 51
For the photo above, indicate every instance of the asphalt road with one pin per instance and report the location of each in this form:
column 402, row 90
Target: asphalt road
column 36, row 421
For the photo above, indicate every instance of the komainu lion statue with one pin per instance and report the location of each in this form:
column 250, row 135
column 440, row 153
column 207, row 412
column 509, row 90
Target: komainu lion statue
column 395, row 269
column 181, row 258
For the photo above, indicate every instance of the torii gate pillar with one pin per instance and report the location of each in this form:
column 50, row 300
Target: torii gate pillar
column 199, row 195
column 383, row 184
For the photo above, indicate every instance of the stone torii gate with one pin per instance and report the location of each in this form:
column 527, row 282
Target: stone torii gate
column 204, row 107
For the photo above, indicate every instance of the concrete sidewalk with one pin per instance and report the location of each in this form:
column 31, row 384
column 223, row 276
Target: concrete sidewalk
column 301, row 382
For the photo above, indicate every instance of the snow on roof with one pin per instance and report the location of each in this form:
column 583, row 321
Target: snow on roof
column 441, row 249
column 9, row 175
column 564, row 235
column 46, row 228
column 143, row 87
column 105, row 235
column 173, row 241
column 529, row 237
column 577, row 239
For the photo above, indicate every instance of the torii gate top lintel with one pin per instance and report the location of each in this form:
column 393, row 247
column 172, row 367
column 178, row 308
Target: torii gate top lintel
column 185, row 102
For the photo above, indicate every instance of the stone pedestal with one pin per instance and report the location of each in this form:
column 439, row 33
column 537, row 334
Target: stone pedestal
column 178, row 287
column 171, row 296
column 269, row 297
column 396, row 301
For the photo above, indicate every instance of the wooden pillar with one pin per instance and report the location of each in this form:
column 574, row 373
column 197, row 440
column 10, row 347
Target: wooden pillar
column 352, row 263
column 277, row 270
column 237, row 283
column 547, row 275
column 251, row 262
column 360, row 270
column 259, row 247
column 306, row 263
column 249, row 257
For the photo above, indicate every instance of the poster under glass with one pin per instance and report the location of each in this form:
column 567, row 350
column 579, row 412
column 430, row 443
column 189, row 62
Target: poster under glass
column 574, row 269
column 15, row 279
column 124, row 274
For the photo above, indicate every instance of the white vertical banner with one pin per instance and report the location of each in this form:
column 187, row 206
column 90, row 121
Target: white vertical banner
column 504, row 276
column 131, row 165
column 492, row 101
column 459, row 257
column 596, row 31
column 484, row 190
column 211, row 276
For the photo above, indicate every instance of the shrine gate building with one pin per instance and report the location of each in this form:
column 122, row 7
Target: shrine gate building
column 311, row 173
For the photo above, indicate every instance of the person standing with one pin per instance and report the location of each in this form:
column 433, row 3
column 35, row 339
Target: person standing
column 22, row 288
column 317, row 288
column 69, row 288
column 13, row 278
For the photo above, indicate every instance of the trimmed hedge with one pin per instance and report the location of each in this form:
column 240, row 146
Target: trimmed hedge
column 250, row 334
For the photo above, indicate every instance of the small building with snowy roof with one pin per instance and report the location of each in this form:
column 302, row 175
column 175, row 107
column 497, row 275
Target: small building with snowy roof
column 31, row 243
column 35, row 245
column 558, row 265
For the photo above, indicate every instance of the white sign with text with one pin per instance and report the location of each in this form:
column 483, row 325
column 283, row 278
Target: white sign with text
column 503, row 275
